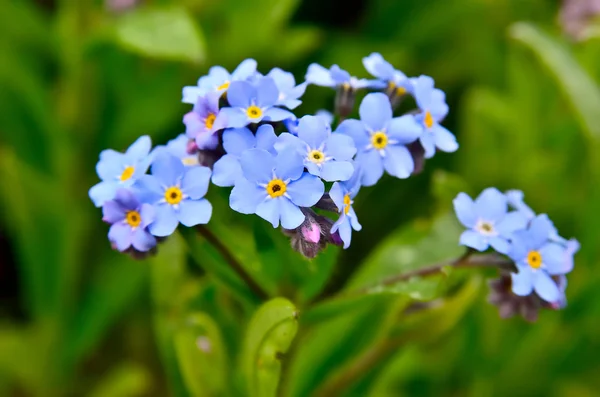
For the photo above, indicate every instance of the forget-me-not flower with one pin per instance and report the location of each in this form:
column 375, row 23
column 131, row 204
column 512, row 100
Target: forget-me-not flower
column 432, row 103
column 396, row 82
column 289, row 92
column 227, row 170
column 275, row 187
column 178, row 147
column 537, row 259
column 292, row 123
column 335, row 77
column 251, row 103
column 177, row 193
column 129, row 221
column 325, row 154
column 120, row 170
column 381, row 139
column 342, row 194
column 200, row 123
column 218, row 80
column 488, row 220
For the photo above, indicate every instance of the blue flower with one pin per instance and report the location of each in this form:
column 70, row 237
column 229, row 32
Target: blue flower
column 218, row 80
column 335, row 77
column 289, row 92
column 396, row 81
column 342, row 194
column 516, row 200
column 325, row 154
column 120, row 170
column 274, row 187
column 129, row 221
column 292, row 123
column 178, row 147
column 432, row 103
column 252, row 104
column 488, row 220
column 537, row 260
column 227, row 170
column 200, row 123
column 381, row 139
column 177, row 194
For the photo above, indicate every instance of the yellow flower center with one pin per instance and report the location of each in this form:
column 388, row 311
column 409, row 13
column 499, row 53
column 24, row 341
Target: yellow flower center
column 254, row 112
column 190, row 160
column 394, row 89
column 127, row 173
column 534, row 259
column 379, row 140
column 316, row 156
column 347, row 204
column 133, row 218
column 276, row 188
column 223, row 86
column 210, row 120
column 428, row 120
column 173, row 195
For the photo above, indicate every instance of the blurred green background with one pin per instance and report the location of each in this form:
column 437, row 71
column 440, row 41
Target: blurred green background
column 77, row 319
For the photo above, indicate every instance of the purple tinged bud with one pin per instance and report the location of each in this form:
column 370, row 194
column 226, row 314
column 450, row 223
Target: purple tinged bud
column 336, row 239
column 418, row 154
column 311, row 232
column 192, row 147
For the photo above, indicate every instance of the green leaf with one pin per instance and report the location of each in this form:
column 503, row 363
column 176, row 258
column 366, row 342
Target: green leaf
column 201, row 356
column 270, row 334
column 163, row 33
column 124, row 380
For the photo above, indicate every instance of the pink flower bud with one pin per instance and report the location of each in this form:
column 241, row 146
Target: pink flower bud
column 312, row 232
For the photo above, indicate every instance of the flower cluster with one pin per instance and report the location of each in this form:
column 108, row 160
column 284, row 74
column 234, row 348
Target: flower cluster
column 241, row 133
column 540, row 256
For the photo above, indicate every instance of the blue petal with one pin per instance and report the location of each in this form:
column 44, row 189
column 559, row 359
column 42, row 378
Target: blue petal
column 287, row 140
column 474, row 240
column 120, row 235
column 313, row 131
column 518, row 247
column 269, row 210
column 246, row 196
column 111, row 165
column 444, row 140
column 241, row 94
column 231, row 118
column 191, row 94
column 277, row 114
column 166, row 221
column 515, row 199
column 465, row 210
column 372, row 167
column 112, row 212
column 318, row 75
column 148, row 214
column 265, row 137
column 312, row 168
column 289, row 103
column 306, row 191
column 342, row 226
column 285, row 80
column 404, row 130
column 291, row 216
column 340, row 147
column 378, row 67
column 545, row 287
column 127, row 199
column 491, row 205
column 337, row 194
column 428, row 143
column 356, row 130
column 375, row 111
column 227, row 171
column 257, row 165
column 149, row 189
column 553, row 258
column 500, row 244
column 423, row 90
column 289, row 164
column 539, row 230
column 337, row 171
column 236, row 140
column 522, row 282
column 244, row 70
column 325, row 115
column 398, row 161
column 140, row 148
column 339, row 75
column 438, row 107
column 510, row 223
column 168, row 169
column 103, row 192
column 195, row 182
column 354, row 220
column 194, row 212
column 142, row 240
column 266, row 92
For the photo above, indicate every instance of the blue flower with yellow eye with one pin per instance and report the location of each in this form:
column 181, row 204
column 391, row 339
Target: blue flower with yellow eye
column 218, row 80
column 178, row 147
column 432, row 103
column 325, row 154
column 251, row 104
column 395, row 81
column 129, row 221
column 537, row 260
column 342, row 194
column 177, row 194
column 120, row 170
column 227, row 170
column 200, row 123
column 381, row 139
column 335, row 77
column 275, row 187
column 289, row 92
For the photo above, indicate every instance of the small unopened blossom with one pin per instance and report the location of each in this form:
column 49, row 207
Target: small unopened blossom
column 200, row 123
column 509, row 304
column 120, row 170
column 488, row 221
column 396, row 83
column 325, row 154
column 177, row 194
column 251, row 104
column 218, row 80
column 342, row 194
column 289, row 92
column 381, row 139
column 432, row 104
column 129, row 221
column 227, row 170
column 180, row 148
column 275, row 187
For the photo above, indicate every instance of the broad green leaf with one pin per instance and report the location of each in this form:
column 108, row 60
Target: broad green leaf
column 201, row 356
column 164, row 33
column 268, row 337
